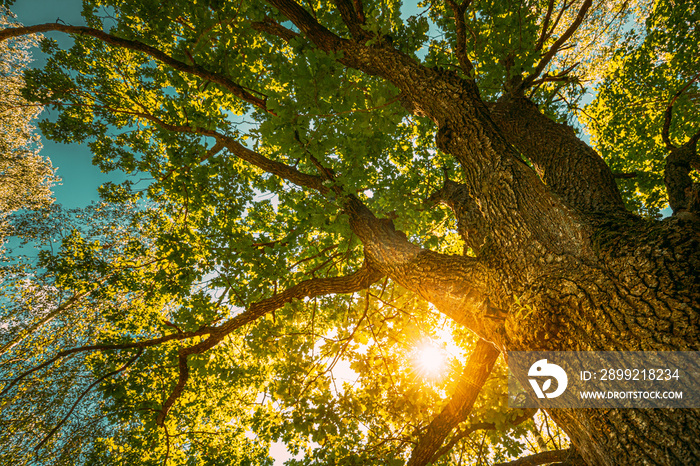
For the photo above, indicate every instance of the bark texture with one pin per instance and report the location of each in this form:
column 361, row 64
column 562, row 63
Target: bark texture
column 586, row 274
column 558, row 263
column 567, row 165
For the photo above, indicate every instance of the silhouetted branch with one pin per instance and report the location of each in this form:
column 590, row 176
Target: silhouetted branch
column 475, row 373
column 137, row 46
column 458, row 11
column 561, row 76
column 544, row 61
column 545, row 457
column 669, row 113
column 82, row 395
column 545, row 26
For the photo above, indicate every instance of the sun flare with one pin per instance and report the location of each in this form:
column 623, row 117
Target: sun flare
column 430, row 360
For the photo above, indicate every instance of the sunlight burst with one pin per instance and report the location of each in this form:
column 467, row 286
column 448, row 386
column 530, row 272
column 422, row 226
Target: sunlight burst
column 430, row 360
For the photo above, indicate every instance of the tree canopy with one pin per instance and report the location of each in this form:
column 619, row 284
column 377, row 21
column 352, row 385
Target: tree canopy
column 322, row 194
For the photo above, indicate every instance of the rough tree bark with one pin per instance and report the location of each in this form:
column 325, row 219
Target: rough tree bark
column 555, row 238
column 558, row 239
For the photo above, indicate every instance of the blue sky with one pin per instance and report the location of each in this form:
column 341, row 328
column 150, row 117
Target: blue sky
column 80, row 179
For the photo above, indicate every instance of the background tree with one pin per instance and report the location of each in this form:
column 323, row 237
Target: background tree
column 302, row 157
column 25, row 176
column 653, row 77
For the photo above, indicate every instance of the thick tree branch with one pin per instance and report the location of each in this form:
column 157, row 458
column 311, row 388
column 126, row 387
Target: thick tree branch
column 239, row 150
column 137, row 46
column 683, row 194
column 351, row 18
column 518, row 210
column 545, row 457
column 458, row 11
column 571, row 168
column 475, row 373
column 306, row 23
column 215, row 149
column 179, row 387
column 624, row 175
column 360, row 10
column 544, row 61
column 312, row 288
column 516, row 205
column 271, row 166
column 352, row 53
column 456, row 285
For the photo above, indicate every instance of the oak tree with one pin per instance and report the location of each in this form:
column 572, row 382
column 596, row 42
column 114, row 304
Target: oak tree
column 339, row 182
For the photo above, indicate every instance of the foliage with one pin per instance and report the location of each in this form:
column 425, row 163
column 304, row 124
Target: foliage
column 639, row 83
column 25, row 176
column 507, row 42
column 213, row 235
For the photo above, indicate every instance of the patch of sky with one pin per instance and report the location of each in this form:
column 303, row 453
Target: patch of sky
column 79, row 177
column 289, row 25
column 409, row 9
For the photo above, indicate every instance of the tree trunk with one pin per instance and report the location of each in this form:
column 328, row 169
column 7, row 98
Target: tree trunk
column 633, row 436
column 640, row 294
column 638, row 291
column 555, row 240
column 591, row 276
